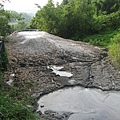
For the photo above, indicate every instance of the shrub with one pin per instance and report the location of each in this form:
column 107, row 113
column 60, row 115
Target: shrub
column 114, row 50
column 105, row 22
column 12, row 110
column 101, row 39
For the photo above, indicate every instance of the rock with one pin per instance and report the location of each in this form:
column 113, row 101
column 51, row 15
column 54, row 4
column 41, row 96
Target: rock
column 42, row 105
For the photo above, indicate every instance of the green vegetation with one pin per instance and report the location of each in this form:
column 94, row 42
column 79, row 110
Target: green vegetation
column 19, row 21
column 101, row 39
column 78, row 18
column 13, row 105
column 11, row 21
column 5, row 28
column 114, row 50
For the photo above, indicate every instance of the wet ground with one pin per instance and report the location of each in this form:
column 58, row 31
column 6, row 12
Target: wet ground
column 43, row 63
column 83, row 103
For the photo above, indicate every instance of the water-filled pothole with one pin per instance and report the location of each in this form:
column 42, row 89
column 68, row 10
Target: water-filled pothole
column 85, row 104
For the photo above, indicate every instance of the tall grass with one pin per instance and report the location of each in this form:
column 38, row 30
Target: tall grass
column 14, row 109
column 114, row 50
column 101, row 39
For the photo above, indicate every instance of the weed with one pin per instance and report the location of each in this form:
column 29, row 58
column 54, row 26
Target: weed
column 101, row 39
column 114, row 50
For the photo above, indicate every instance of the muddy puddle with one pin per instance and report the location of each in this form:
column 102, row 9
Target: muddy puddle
column 85, row 104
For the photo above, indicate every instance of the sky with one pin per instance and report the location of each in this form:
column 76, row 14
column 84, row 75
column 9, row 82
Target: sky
column 27, row 6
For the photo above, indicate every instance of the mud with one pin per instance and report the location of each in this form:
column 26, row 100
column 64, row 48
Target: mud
column 31, row 53
column 83, row 103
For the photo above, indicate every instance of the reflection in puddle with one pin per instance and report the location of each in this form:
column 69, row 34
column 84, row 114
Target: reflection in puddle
column 57, row 71
column 85, row 104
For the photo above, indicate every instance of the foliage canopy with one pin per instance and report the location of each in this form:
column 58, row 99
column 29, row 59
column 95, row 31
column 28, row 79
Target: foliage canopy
column 77, row 18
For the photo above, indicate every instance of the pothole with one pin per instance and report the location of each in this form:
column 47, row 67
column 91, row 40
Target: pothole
column 85, row 104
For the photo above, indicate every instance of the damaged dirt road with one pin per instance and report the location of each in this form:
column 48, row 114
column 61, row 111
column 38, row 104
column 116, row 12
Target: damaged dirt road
column 47, row 63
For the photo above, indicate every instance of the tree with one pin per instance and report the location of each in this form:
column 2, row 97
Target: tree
column 19, row 20
column 4, row 18
column 5, row 28
column 109, row 6
column 76, row 18
column 45, row 18
column 98, row 6
column 106, row 6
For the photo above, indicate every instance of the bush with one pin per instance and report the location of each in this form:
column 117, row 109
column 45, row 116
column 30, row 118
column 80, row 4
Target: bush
column 114, row 50
column 12, row 110
column 101, row 39
column 105, row 22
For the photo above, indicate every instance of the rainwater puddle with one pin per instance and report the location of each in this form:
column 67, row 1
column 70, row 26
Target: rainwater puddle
column 57, row 70
column 85, row 104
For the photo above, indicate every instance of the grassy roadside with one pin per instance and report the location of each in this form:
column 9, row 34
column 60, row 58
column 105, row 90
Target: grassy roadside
column 12, row 106
column 101, row 39
column 114, row 50
column 13, row 101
